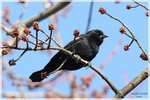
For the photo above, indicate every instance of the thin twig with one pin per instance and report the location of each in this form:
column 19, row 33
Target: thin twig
column 36, row 38
column 39, row 39
column 44, row 14
column 56, row 42
column 31, row 42
column 50, row 39
column 131, row 42
column 77, row 57
column 44, row 32
column 129, row 36
column 104, row 77
column 27, row 44
column 140, row 5
column 46, row 39
column 133, row 37
column 90, row 16
column 16, row 41
column 21, row 55
column 135, row 6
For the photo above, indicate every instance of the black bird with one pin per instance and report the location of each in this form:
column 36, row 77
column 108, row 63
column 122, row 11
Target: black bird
column 86, row 46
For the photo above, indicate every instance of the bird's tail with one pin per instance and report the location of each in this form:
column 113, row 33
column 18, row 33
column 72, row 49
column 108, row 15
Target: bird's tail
column 38, row 76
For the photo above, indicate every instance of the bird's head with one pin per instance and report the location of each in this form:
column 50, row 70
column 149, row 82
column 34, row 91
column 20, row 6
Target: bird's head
column 97, row 35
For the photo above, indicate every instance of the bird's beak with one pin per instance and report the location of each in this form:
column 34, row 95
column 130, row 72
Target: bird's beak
column 104, row 36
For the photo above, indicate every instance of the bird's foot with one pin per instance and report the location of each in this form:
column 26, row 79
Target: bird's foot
column 73, row 53
column 44, row 74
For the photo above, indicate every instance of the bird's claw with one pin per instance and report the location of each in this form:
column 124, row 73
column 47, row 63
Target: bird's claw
column 44, row 75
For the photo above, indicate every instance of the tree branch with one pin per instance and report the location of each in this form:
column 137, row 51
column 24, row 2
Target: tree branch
column 140, row 5
column 135, row 82
column 132, row 35
column 44, row 14
column 77, row 57
column 90, row 16
column 47, row 12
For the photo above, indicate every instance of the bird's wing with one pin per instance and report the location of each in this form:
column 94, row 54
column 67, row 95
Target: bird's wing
column 81, row 47
column 74, row 42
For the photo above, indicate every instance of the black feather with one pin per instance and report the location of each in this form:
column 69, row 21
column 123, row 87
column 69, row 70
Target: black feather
column 87, row 46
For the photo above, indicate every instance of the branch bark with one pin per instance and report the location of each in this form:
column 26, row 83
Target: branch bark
column 47, row 12
column 77, row 57
column 133, row 84
column 140, row 5
column 44, row 14
column 132, row 35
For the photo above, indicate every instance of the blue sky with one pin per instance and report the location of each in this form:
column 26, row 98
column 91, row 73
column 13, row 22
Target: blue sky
column 77, row 17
